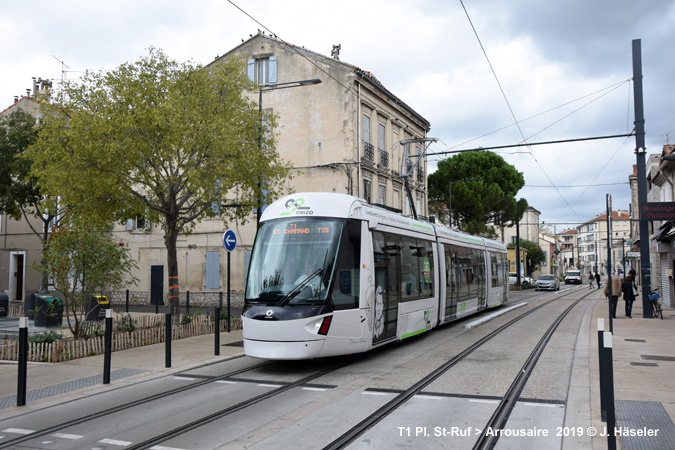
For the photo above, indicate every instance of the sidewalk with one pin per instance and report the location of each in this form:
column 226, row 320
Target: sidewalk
column 47, row 382
column 643, row 354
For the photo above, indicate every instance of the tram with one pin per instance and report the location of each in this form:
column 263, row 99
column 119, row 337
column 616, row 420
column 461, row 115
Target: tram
column 331, row 275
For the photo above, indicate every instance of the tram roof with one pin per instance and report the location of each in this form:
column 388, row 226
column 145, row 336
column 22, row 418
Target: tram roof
column 326, row 204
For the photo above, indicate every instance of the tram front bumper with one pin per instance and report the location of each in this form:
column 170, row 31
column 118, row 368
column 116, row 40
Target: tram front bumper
column 284, row 339
column 282, row 350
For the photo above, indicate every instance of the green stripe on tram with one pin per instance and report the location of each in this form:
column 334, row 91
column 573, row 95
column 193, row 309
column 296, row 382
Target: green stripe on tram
column 422, row 226
column 414, row 333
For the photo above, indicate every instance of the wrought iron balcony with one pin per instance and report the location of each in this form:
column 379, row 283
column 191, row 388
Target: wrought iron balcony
column 368, row 151
column 384, row 158
column 420, row 175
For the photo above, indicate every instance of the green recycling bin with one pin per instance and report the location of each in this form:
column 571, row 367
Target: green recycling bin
column 48, row 311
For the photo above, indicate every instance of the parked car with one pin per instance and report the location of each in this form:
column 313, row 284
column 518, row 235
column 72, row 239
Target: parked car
column 547, row 282
column 523, row 279
column 573, row 277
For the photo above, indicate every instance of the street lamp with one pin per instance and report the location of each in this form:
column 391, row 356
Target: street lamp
column 273, row 87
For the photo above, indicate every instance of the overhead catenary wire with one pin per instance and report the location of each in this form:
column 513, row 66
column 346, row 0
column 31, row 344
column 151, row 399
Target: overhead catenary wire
column 431, row 153
column 511, row 109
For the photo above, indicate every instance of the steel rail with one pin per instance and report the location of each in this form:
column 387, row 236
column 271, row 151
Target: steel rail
column 370, row 421
column 122, row 407
column 489, row 439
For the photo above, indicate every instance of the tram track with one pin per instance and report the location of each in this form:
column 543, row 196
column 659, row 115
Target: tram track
column 196, row 424
column 341, row 442
column 201, row 421
column 125, row 406
column 502, row 412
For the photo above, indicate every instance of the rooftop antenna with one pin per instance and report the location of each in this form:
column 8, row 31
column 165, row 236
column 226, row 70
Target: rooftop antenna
column 666, row 135
column 63, row 68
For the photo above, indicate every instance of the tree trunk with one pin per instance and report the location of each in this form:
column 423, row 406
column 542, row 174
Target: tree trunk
column 170, row 240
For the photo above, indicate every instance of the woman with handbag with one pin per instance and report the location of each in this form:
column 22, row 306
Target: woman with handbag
column 629, row 293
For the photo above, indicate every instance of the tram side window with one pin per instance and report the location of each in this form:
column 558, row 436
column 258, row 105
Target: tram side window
column 494, row 270
column 409, row 269
column 479, row 270
column 498, row 264
column 346, row 283
column 463, row 272
column 417, row 269
column 450, row 281
column 427, row 267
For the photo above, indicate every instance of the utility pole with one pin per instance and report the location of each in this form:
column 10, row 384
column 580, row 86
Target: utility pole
column 640, row 152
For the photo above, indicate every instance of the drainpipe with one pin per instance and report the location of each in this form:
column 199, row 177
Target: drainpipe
column 358, row 141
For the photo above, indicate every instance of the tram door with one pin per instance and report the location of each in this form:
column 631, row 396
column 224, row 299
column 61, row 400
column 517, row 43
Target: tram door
column 387, row 256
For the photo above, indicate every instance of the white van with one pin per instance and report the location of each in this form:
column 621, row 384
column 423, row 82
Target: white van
column 573, row 277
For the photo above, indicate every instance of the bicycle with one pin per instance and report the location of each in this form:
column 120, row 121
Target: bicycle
column 657, row 311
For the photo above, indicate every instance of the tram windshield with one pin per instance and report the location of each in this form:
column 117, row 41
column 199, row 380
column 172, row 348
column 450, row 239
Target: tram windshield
column 293, row 261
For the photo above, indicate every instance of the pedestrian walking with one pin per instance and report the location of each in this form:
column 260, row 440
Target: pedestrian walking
column 629, row 293
column 590, row 280
column 597, row 280
column 616, row 290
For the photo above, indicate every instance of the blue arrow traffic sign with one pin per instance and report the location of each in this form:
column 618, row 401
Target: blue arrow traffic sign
column 229, row 240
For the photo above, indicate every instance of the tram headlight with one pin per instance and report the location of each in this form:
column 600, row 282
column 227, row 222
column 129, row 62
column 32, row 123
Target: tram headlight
column 320, row 326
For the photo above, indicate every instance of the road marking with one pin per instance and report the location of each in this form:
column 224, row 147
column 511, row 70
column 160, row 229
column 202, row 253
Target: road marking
column 483, row 401
column 184, row 378
column 481, row 321
column 315, row 389
column 430, row 397
column 270, row 385
column 546, row 405
column 18, row 431
column 226, row 382
column 374, row 393
column 161, row 447
column 73, row 437
column 115, row 442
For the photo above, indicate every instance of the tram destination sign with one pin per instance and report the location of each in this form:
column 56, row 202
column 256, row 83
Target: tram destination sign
column 657, row 211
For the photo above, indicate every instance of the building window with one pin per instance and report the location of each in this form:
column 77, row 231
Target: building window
column 366, row 190
column 263, row 70
column 368, row 151
column 384, row 155
column 139, row 223
column 383, row 195
column 212, row 273
column 366, row 129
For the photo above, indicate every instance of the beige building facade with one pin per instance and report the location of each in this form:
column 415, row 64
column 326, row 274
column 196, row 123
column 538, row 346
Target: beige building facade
column 20, row 246
column 344, row 134
column 341, row 135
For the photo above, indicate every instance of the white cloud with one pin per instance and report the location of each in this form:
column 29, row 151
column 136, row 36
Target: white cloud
column 424, row 51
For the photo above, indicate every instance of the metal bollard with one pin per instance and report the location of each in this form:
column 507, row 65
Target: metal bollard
column 601, row 367
column 168, row 341
column 23, row 362
column 217, row 334
column 126, row 309
column 609, row 381
column 187, row 302
column 108, row 346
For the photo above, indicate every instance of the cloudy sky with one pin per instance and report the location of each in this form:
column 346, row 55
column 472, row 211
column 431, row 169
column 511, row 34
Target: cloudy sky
column 564, row 69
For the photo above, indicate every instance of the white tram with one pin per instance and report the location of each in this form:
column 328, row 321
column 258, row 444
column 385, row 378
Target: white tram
column 331, row 274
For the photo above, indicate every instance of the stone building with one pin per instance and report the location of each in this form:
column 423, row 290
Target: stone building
column 344, row 134
column 20, row 245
